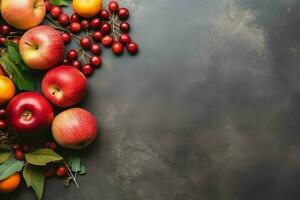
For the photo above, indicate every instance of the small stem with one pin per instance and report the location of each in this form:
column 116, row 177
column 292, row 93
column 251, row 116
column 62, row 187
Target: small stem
column 71, row 174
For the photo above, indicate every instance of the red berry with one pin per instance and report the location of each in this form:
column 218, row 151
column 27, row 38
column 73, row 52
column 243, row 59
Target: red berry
column 16, row 40
column 72, row 55
column 132, row 48
column 76, row 64
column 61, row 171
column 85, row 42
column 85, row 24
column 2, row 41
column 65, row 61
column 48, row 172
column 47, row 144
column 2, row 113
column 113, row 6
column 95, row 49
column 95, row 23
column 52, row 146
column 75, row 27
column 5, row 30
column 64, row 19
column 25, row 148
column 96, row 61
column 16, row 146
column 48, row 6
column 125, row 39
column 104, row 14
column 105, row 28
column 75, row 18
column 67, row 37
column 19, row 154
column 107, row 40
column 2, row 124
column 123, row 14
column 55, row 11
column 117, row 47
column 97, row 35
column 124, row 27
column 87, row 70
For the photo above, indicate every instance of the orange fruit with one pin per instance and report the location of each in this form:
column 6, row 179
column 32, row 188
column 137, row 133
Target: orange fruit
column 7, row 89
column 87, row 8
column 11, row 183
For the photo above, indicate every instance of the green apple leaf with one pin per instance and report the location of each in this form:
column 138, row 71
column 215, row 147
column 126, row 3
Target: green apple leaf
column 22, row 80
column 35, row 179
column 14, row 55
column 4, row 152
column 76, row 164
column 42, row 156
column 59, row 2
column 9, row 167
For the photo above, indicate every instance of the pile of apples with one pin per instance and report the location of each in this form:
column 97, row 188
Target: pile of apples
column 31, row 113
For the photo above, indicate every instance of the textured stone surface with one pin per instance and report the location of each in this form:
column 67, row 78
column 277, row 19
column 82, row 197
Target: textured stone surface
column 208, row 110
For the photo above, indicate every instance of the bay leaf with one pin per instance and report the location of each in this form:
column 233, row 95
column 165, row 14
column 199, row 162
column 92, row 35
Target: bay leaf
column 10, row 166
column 42, row 156
column 35, row 179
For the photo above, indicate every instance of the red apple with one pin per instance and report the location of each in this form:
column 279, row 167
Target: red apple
column 29, row 113
column 23, row 14
column 74, row 128
column 42, row 47
column 64, row 86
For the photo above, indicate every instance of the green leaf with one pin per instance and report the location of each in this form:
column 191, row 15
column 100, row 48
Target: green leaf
column 4, row 152
column 14, row 55
column 42, row 156
column 22, row 79
column 10, row 167
column 76, row 164
column 59, row 2
column 35, row 179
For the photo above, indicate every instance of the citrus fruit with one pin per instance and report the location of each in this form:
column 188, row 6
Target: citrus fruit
column 87, row 8
column 11, row 183
column 7, row 89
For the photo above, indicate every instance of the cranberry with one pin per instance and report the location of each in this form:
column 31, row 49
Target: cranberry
column 55, row 11
column 132, row 48
column 61, row 171
column 107, row 40
column 75, row 27
column 16, row 146
column 53, row 146
column 105, row 28
column 16, row 40
column 2, row 124
column 87, row 70
column 48, row 172
column 96, row 61
column 48, row 6
column 104, row 14
column 85, row 42
column 95, row 23
column 125, row 39
column 2, row 41
column 95, row 49
column 113, row 6
column 5, row 30
column 75, row 18
column 2, row 113
column 25, row 148
column 123, row 14
column 85, row 24
column 117, row 47
column 19, row 154
column 76, row 64
column 124, row 27
column 65, row 61
column 67, row 37
column 97, row 35
column 64, row 19
column 72, row 55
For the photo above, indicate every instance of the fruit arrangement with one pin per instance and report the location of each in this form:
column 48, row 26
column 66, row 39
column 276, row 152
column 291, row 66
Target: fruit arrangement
column 42, row 131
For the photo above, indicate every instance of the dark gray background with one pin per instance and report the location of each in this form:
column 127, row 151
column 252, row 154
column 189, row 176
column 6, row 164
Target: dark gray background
column 208, row 110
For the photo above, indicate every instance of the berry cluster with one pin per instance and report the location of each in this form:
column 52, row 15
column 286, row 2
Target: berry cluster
column 108, row 28
column 7, row 33
column 2, row 119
